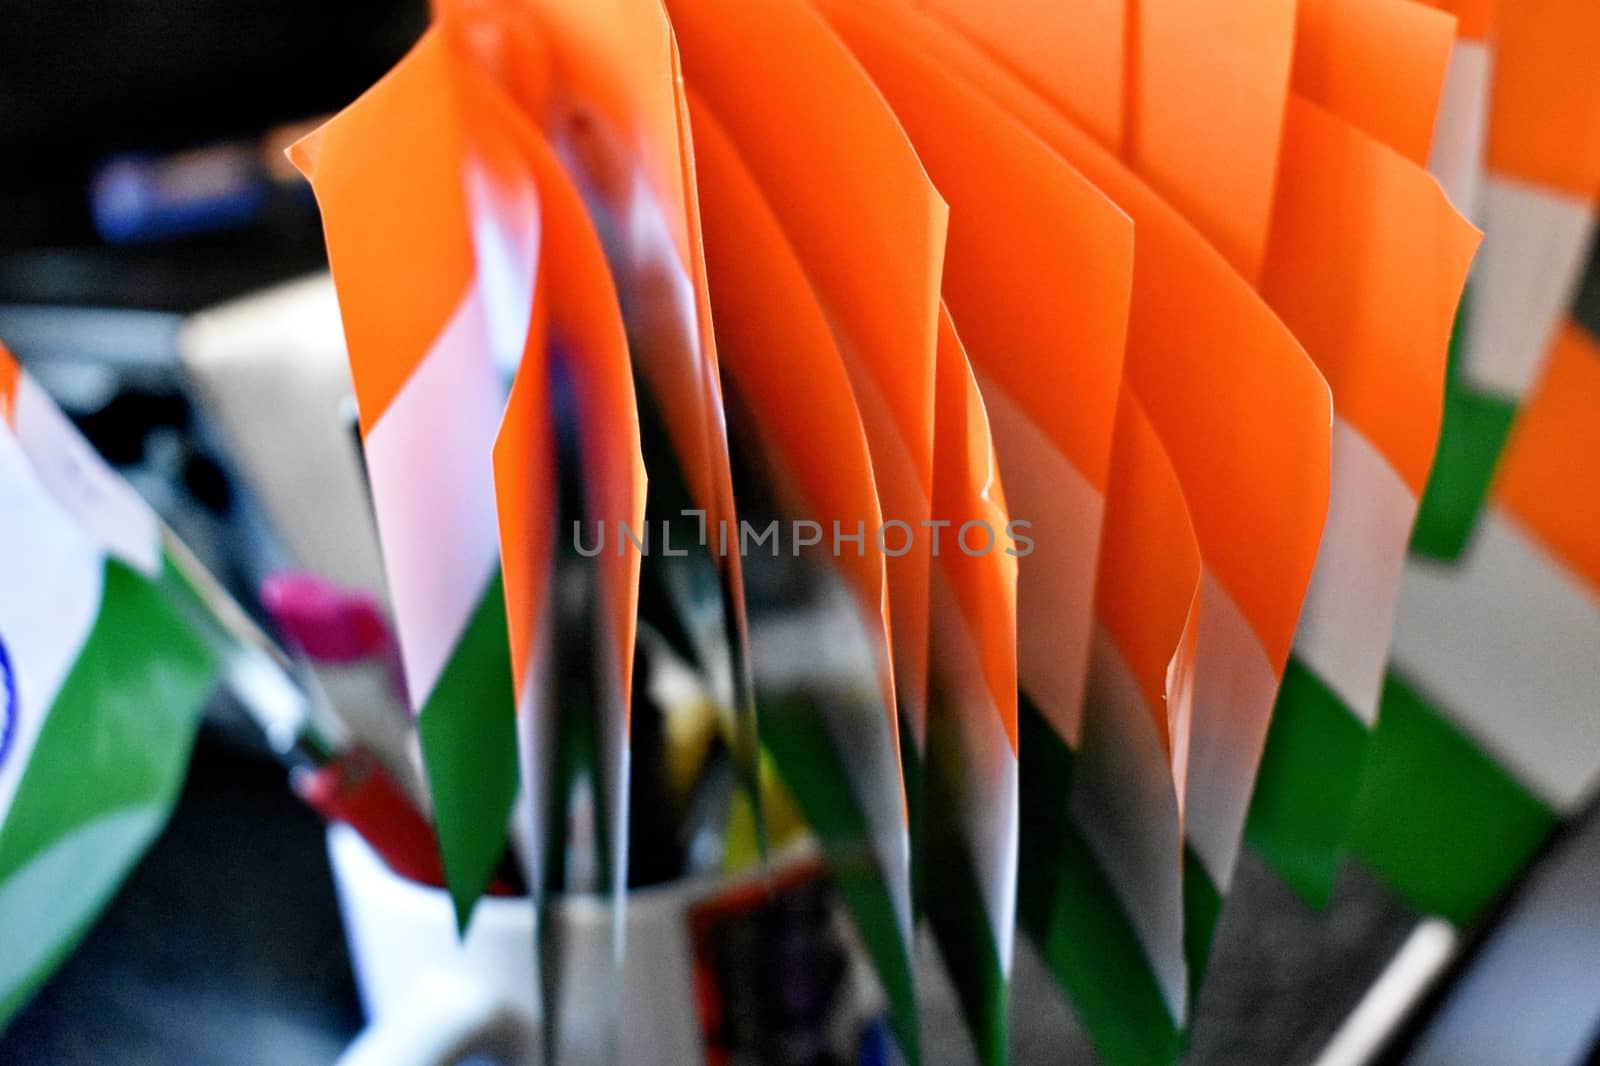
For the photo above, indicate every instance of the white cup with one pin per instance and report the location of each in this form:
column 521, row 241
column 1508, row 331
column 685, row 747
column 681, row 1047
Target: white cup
column 433, row 999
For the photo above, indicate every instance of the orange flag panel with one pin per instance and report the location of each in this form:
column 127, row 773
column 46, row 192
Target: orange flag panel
column 1380, row 64
column 1550, row 476
column 1075, row 54
column 1366, row 265
column 1209, row 85
column 1149, row 567
column 1544, row 125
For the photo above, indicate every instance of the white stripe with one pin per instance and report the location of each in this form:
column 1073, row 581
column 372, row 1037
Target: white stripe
column 1535, row 244
column 1508, row 644
column 505, row 235
column 1235, row 688
column 867, row 746
column 430, row 458
column 51, row 578
column 1055, row 585
column 988, row 787
column 536, row 745
column 1124, row 802
column 862, row 732
column 102, row 504
column 1462, row 127
column 49, row 899
column 1349, row 610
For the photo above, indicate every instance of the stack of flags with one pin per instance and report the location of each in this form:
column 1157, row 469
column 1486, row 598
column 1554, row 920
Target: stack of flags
column 1018, row 417
column 1167, row 289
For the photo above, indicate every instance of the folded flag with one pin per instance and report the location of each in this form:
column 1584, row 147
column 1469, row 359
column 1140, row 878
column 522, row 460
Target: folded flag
column 464, row 482
column 1250, row 450
column 1109, row 912
column 870, row 232
column 566, row 460
column 1365, row 264
column 1046, row 349
column 102, row 677
column 828, row 716
column 603, row 84
column 970, row 784
column 435, row 324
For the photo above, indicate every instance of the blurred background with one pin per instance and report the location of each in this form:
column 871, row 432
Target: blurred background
column 142, row 184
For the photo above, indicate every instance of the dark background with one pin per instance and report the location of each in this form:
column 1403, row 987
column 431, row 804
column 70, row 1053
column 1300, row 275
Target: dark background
column 82, row 80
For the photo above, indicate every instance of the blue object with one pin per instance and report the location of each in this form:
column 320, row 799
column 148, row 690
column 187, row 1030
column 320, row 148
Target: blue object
column 140, row 199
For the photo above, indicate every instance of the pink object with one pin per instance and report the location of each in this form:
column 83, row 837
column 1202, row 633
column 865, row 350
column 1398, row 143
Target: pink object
column 329, row 624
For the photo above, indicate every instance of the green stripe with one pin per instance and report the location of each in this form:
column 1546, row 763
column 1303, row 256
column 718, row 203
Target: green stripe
column 1437, row 818
column 1070, row 911
column 813, row 772
column 1476, row 426
column 1202, row 908
column 1473, row 434
column 1306, row 789
column 469, row 746
column 116, row 742
column 954, row 899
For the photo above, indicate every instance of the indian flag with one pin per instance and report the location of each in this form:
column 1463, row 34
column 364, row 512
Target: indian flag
column 1490, row 728
column 824, row 677
column 602, row 82
column 1531, row 187
column 1109, row 912
column 1249, row 440
column 971, row 785
column 102, row 679
column 1046, row 345
column 1046, row 349
column 433, row 257
column 1250, row 450
column 1365, row 264
column 571, row 663
column 842, row 155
